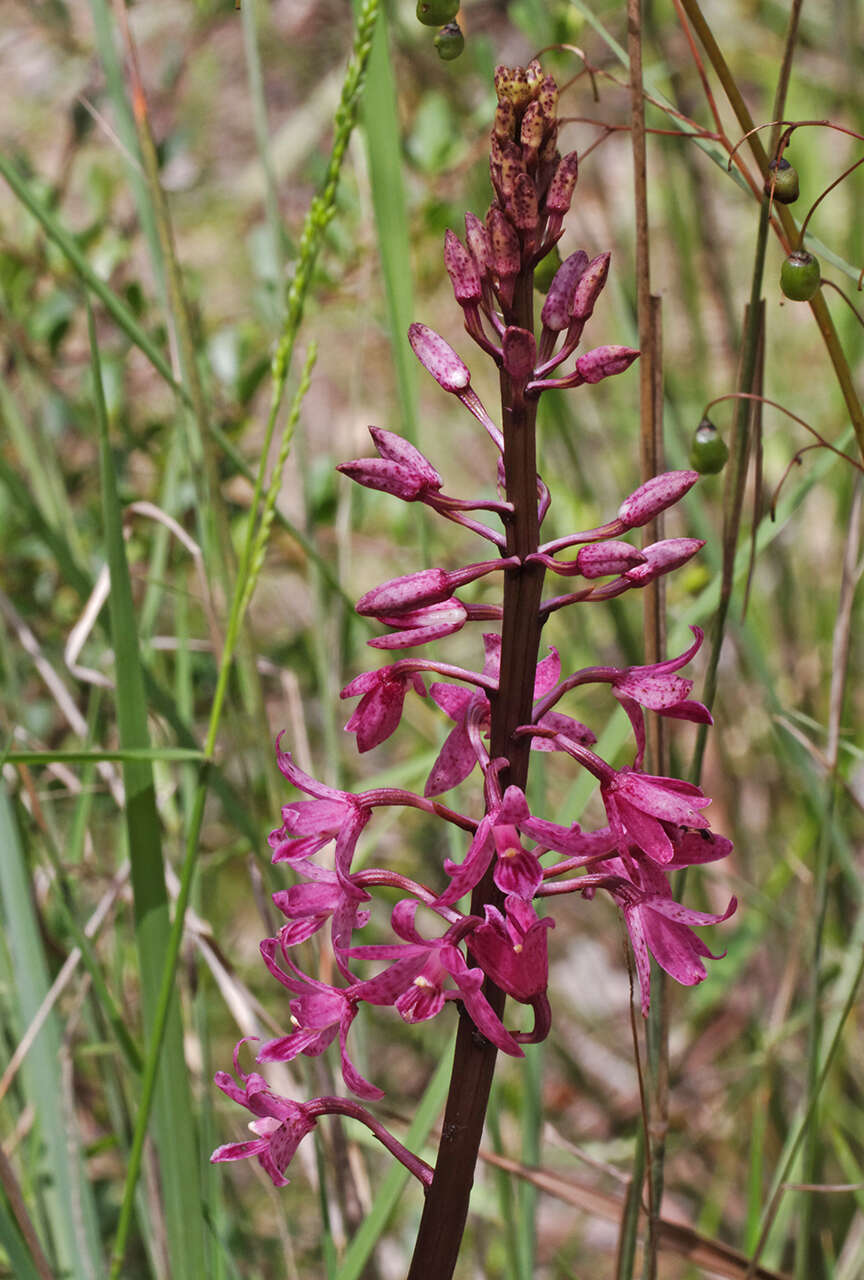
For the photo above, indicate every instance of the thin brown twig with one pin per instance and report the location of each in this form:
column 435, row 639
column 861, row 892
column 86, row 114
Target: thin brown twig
column 745, row 395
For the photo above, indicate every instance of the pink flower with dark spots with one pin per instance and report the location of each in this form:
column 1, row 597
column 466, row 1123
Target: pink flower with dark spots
column 280, row 1126
column 658, row 688
column 509, row 813
column 641, row 807
column 319, row 1013
column 309, row 906
column 415, row 984
column 380, row 708
column 638, row 805
column 308, row 825
column 513, row 951
column 661, row 926
column 517, row 870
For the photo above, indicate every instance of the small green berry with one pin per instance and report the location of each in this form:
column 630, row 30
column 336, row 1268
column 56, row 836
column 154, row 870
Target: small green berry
column 544, row 272
column 449, row 42
column 708, row 449
column 784, row 180
column 800, row 276
column 435, row 13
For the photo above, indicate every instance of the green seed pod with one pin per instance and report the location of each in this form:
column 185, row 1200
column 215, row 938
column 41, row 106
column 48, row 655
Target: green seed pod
column 784, row 180
column 708, row 449
column 449, row 42
column 544, row 272
column 800, row 276
column 435, row 13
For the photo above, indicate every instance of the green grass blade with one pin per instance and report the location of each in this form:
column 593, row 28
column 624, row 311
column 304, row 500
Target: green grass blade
column 176, row 1142
column 11, row 1241
column 124, row 755
column 67, row 1196
column 532, row 1127
column 262, row 138
column 383, row 145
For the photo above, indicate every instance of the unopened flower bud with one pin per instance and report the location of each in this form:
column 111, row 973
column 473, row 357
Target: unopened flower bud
column 401, row 469
column 506, row 254
column 604, row 362
column 411, row 591
column 663, row 557
column 561, row 187
column 398, row 449
column 533, row 128
column 389, row 477
column 522, row 205
column 511, row 84
column 600, row 559
column 520, row 353
column 534, row 75
column 559, row 300
column 550, row 156
column 462, row 270
column 477, row 238
column 425, row 587
column 438, row 358
column 509, row 167
column 504, row 123
column 589, row 287
column 419, row 626
column 654, row 496
column 547, row 97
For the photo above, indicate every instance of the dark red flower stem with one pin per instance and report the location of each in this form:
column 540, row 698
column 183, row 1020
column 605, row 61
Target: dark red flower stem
column 446, row 1208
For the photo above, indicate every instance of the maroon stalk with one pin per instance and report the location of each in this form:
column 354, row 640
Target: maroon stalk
column 446, row 1207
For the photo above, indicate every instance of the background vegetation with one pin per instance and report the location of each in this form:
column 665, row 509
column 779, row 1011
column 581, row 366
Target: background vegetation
column 185, row 253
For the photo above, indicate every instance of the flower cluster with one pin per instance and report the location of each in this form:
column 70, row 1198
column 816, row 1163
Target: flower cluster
column 515, row 859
